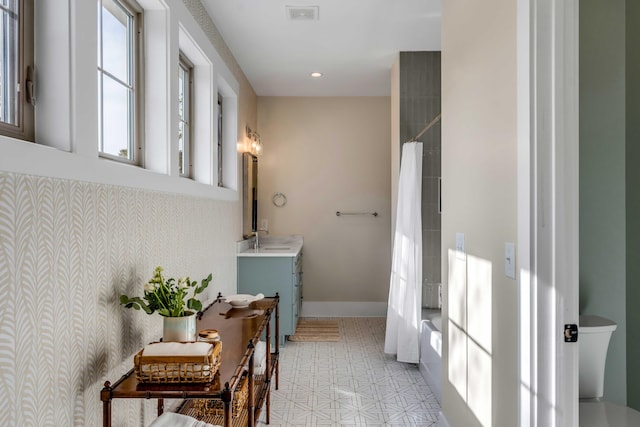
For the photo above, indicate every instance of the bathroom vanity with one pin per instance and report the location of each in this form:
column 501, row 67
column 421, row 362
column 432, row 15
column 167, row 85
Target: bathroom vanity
column 275, row 266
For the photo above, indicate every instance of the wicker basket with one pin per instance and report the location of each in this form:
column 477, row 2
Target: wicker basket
column 178, row 369
column 215, row 407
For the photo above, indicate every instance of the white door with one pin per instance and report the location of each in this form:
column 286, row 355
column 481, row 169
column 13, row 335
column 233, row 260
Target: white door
column 548, row 210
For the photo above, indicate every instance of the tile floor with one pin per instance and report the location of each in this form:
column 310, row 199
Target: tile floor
column 350, row 383
column 607, row 414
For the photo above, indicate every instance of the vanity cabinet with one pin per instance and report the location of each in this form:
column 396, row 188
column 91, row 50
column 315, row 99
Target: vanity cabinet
column 271, row 274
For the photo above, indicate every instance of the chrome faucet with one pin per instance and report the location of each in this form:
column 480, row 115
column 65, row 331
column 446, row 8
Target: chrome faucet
column 256, row 241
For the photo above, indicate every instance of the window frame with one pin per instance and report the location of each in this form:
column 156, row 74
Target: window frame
column 187, row 67
column 136, row 70
column 25, row 128
column 66, row 134
column 220, row 165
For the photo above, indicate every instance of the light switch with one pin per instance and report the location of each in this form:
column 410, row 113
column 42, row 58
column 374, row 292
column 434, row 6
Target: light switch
column 510, row 260
column 460, row 245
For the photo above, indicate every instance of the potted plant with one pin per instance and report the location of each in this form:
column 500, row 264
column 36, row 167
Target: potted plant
column 169, row 298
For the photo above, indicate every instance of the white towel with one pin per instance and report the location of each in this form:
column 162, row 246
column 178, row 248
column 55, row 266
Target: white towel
column 171, row 419
column 260, row 358
column 178, row 349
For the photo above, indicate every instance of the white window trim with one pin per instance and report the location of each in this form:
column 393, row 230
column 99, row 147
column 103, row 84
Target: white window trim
column 207, row 85
column 24, row 128
column 66, row 127
column 132, row 7
column 229, row 136
column 185, row 65
column 220, row 141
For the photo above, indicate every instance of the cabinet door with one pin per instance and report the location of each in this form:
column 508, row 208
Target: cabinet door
column 269, row 275
column 297, row 299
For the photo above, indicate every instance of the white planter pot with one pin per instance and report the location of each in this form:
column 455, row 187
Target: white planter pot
column 179, row 328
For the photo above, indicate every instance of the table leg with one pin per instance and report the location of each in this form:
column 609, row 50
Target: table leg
column 277, row 338
column 160, row 406
column 269, row 404
column 106, row 413
column 227, row 397
column 105, row 396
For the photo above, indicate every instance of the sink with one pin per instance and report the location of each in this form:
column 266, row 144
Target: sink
column 272, row 246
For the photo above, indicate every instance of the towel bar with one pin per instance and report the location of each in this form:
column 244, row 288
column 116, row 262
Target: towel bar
column 356, row 213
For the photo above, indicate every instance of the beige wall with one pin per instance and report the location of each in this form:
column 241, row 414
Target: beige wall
column 327, row 155
column 479, row 199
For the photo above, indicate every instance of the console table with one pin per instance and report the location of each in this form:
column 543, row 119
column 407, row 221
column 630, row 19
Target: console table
column 240, row 329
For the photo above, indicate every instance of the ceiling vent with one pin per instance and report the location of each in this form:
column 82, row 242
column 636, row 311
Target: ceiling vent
column 302, row 13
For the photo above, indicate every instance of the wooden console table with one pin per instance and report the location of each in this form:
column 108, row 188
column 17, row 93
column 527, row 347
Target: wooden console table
column 240, row 330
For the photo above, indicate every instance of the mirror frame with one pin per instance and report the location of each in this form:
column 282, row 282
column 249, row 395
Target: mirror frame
column 249, row 194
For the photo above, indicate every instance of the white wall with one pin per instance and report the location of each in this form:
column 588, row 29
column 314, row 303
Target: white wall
column 326, row 155
column 480, row 352
column 76, row 230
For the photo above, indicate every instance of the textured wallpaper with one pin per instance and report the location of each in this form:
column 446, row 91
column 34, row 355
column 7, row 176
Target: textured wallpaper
column 68, row 249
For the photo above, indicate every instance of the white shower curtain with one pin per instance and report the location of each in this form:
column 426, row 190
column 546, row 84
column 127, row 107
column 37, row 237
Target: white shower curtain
column 405, row 288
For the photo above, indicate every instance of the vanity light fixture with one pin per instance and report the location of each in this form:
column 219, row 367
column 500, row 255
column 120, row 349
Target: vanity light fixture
column 256, row 147
column 316, row 74
column 256, row 144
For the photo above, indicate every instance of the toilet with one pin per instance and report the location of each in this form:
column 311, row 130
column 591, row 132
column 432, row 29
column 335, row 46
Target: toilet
column 593, row 339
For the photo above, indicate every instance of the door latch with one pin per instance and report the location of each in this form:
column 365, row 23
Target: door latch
column 570, row 332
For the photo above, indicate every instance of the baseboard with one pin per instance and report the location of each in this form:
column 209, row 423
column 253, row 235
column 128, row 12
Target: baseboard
column 343, row 309
column 442, row 420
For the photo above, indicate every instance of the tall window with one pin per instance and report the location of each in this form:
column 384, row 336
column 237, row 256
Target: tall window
column 220, row 183
column 119, row 91
column 185, row 72
column 17, row 94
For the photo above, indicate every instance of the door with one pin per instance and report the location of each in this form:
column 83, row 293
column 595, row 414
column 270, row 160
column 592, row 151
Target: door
column 548, row 210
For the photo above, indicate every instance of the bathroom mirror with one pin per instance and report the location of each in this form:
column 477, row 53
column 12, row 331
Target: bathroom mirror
column 249, row 193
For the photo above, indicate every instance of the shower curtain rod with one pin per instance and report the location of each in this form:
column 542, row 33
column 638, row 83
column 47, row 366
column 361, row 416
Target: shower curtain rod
column 427, row 127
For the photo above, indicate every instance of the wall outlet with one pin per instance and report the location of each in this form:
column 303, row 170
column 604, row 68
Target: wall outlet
column 510, row 260
column 264, row 224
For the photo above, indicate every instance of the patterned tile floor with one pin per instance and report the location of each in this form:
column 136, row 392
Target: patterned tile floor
column 350, row 383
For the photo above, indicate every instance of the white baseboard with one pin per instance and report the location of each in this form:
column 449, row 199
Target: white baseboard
column 442, row 420
column 343, row 309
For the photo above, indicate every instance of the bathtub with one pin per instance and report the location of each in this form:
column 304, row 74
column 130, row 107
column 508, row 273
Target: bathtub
column 431, row 350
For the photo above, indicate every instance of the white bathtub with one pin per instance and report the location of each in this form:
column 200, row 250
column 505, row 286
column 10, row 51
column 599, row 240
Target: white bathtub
column 431, row 350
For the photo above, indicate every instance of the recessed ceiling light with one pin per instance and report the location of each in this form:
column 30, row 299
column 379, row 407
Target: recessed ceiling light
column 316, row 74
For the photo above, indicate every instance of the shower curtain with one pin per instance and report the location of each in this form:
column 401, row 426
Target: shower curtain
column 405, row 288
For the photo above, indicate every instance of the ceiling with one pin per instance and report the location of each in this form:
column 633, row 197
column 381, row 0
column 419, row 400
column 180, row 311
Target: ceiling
column 353, row 42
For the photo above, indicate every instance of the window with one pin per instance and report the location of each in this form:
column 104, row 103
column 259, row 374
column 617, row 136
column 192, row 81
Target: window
column 220, row 183
column 185, row 73
column 16, row 69
column 119, row 91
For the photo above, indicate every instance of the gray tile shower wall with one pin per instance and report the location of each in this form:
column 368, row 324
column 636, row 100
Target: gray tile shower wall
column 419, row 104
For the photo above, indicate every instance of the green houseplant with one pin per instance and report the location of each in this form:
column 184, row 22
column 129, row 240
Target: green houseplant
column 169, row 297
